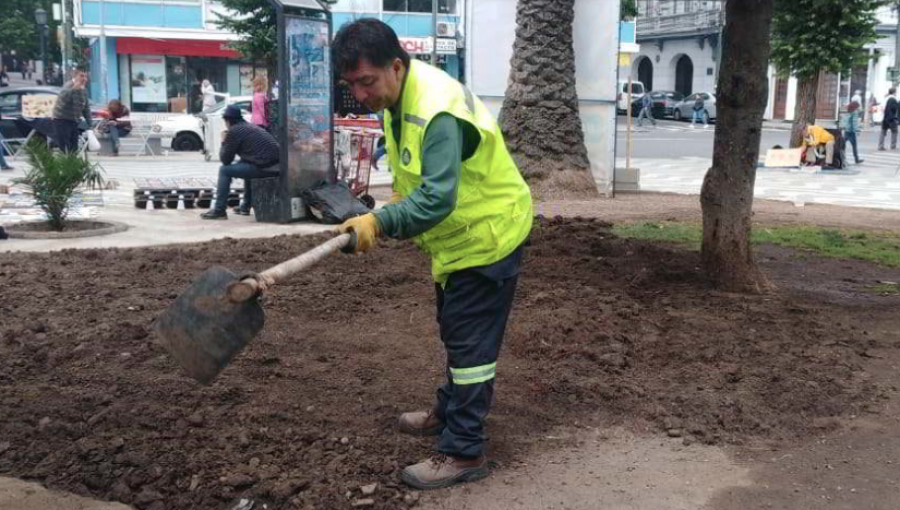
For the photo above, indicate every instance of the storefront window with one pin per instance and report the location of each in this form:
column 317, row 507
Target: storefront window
column 176, row 73
column 444, row 6
column 148, row 83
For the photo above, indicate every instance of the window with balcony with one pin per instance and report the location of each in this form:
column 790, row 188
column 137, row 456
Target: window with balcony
column 425, row 6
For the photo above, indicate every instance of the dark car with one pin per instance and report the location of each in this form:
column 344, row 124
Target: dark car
column 11, row 107
column 664, row 102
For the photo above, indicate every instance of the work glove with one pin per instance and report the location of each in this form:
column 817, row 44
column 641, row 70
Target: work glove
column 367, row 231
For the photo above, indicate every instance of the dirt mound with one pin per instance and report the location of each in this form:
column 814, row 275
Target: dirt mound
column 604, row 330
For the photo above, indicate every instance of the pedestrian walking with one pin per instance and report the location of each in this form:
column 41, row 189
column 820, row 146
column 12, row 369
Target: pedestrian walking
column 4, row 78
column 459, row 195
column 646, row 113
column 699, row 109
column 209, row 94
column 890, row 121
column 850, row 124
column 71, row 104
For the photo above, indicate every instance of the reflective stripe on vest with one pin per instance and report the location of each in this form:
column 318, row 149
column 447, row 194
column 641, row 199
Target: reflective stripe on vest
column 494, row 212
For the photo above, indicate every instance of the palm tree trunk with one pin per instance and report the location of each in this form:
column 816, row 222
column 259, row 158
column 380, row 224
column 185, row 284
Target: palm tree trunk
column 727, row 194
column 540, row 117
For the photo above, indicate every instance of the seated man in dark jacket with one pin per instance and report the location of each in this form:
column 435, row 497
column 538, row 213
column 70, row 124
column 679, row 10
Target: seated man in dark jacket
column 258, row 151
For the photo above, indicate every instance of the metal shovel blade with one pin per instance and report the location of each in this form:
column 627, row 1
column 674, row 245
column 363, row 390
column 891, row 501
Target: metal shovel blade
column 203, row 330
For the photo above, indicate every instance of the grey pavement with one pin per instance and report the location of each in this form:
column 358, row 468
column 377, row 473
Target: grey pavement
column 161, row 226
column 674, row 158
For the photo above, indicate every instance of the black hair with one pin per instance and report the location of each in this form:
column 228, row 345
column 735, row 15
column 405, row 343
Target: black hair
column 366, row 38
column 892, row 90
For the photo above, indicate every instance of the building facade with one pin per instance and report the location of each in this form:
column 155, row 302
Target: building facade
column 160, row 51
column 680, row 51
column 413, row 22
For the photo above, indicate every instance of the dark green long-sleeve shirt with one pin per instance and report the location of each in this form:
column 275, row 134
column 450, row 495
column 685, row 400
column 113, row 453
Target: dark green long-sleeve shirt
column 448, row 142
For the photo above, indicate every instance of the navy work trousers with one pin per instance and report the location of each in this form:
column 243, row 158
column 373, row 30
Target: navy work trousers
column 240, row 170
column 472, row 310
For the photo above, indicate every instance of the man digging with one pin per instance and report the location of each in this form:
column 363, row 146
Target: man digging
column 459, row 196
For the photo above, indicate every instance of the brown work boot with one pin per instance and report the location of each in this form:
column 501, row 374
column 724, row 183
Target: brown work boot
column 443, row 470
column 421, row 423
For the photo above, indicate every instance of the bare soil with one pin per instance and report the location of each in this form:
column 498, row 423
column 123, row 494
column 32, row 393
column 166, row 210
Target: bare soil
column 70, row 226
column 605, row 332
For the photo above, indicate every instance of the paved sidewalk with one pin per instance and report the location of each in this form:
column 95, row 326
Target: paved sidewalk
column 156, row 227
column 875, row 183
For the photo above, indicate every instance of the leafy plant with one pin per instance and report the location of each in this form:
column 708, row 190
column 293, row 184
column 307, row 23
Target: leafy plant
column 54, row 177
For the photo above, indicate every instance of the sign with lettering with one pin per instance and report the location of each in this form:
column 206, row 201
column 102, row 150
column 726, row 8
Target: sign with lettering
column 422, row 45
column 783, row 158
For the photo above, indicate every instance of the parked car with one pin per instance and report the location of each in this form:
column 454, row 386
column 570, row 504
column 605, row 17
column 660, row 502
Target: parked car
column 11, row 107
column 637, row 92
column 664, row 102
column 685, row 109
column 186, row 131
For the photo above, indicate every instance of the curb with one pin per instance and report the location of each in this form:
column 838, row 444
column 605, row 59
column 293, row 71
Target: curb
column 111, row 227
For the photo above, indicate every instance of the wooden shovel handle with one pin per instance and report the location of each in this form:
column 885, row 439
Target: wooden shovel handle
column 248, row 288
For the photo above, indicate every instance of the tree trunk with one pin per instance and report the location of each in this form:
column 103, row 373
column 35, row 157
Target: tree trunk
column 727, row 194
column 805, row 110
column 540, row 118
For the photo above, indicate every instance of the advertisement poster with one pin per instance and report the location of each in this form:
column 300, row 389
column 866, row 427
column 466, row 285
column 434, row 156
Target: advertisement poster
column 148, row 79
column 309, row 98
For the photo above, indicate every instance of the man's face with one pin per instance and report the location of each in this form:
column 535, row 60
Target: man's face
column 79, row 80
column 376, row 87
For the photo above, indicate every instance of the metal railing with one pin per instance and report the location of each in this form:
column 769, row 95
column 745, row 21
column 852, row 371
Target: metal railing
column 698, row 21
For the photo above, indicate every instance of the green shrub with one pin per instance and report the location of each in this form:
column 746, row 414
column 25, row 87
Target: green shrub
column 54, row 177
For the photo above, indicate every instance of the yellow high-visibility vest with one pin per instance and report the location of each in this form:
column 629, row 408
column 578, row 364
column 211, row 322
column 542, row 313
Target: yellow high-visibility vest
column 494, row 212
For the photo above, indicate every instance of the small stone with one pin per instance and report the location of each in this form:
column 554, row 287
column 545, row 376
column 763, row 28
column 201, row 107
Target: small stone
column 147, row 496
column 117, row 443
column 359, row 503
column 675, row 432
column 345, row 441
column 348, row 494
column 672, row 423
column 195, row 420
column 43, row 423
column 239, row 480
column 243, row 439
column 411, row 498
column 254, row 462
column 688, row 440
column 368, row 490
column 195, row 482
column 310, row 409
column 5, row 445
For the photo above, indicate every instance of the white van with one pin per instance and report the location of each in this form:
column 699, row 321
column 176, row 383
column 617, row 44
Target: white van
column 637, row 92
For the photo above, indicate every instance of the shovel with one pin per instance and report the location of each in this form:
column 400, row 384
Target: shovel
column 219, row 314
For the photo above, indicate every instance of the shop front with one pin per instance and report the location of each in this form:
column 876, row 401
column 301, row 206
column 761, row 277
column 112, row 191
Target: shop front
column 166, row 75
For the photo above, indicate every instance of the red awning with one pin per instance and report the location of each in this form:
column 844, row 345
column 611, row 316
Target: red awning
column 180, row 47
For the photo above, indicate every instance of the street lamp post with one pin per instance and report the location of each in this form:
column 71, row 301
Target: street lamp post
column 40, row 16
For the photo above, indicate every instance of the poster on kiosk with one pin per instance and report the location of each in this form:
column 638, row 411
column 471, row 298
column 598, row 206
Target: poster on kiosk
column 305, row 103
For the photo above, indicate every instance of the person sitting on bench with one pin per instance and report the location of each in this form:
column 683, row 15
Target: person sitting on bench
column 815, row 137
column 258, row 151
